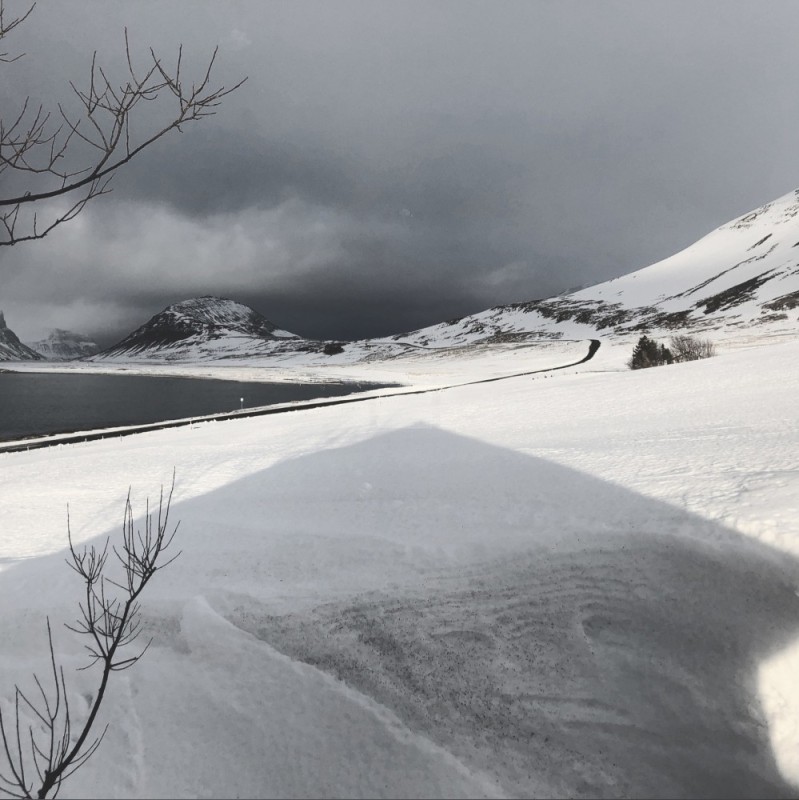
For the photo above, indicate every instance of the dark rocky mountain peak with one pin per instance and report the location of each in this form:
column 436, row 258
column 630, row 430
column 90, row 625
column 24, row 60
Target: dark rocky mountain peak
column 202, row 324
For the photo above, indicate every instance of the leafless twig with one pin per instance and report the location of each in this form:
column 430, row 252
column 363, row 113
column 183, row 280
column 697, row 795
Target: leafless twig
column 6, row 26
column 40, row 746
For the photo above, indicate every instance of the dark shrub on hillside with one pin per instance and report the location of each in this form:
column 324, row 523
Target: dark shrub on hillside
column 648, row 353
column 332, row 348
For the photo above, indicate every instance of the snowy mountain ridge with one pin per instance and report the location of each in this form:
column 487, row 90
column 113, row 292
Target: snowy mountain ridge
column 743, row 275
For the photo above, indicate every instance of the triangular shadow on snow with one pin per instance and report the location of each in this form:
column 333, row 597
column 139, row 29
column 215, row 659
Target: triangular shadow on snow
column 533, row 619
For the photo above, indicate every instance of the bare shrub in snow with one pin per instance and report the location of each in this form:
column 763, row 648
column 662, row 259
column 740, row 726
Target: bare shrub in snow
column 41, row 743
column 691, row 348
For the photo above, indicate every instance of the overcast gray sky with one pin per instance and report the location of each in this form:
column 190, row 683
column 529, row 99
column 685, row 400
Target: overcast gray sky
column 389, row 165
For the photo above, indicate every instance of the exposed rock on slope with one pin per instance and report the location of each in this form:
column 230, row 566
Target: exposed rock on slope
column 11, row 348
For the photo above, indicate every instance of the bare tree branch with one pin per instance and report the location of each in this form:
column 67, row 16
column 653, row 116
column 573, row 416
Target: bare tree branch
column 110, row 623
column 32, row 144
column 8, row 25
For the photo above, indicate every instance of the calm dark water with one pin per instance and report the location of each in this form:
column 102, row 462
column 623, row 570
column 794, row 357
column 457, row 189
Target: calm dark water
column 36, row 403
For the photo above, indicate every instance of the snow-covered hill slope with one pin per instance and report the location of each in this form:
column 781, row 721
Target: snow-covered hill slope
column 11, row 348
column 61, row 345
column 203, row 327
column 744, row 276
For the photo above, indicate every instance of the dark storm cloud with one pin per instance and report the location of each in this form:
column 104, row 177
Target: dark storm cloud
column 391, row 165
column 217, row 170
column 229, row 170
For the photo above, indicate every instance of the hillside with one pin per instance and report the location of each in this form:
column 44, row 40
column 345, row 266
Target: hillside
column 744, row 276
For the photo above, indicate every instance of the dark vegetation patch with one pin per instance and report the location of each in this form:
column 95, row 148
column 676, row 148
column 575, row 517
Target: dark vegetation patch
column 665, row 319
column 760, row 241
column 735, row 295
column 784, row 303
column 619, row 317
column 509, row 337
column 766, row 318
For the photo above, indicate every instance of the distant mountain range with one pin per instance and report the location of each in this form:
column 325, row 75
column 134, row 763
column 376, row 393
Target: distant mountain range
column 742, row 276
column 63, row 345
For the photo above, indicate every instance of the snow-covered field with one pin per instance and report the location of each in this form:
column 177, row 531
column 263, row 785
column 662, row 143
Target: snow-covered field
column 578, row 583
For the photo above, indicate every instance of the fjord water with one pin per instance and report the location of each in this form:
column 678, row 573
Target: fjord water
column 33, row 404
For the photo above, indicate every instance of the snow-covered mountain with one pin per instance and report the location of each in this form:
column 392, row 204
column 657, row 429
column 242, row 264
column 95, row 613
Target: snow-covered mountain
column 11, row 348
column 203, row 327
column 61, row 345
column 744, row 275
